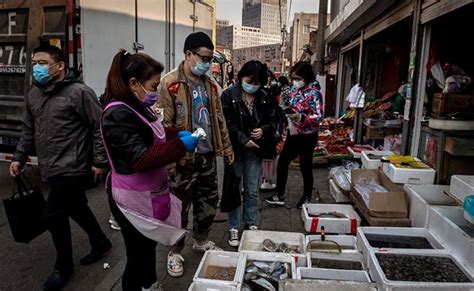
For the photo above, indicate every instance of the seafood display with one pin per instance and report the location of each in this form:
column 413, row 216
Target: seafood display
column 428, row 269
column 220, row 273
column 336, row 264
column 271, row 246
column 398, row 241
column 261, row 276
column 333, row 214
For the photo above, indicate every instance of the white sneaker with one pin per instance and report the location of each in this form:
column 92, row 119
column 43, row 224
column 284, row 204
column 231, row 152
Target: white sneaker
column 155, row 287
column 113, row 224
column 234, row 237
column 207, row 246
column 267, row 185
column 175, row 265
column 253, row 227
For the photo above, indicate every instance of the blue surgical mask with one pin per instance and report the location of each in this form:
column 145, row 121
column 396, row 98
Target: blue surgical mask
column 200, row 68
column 41, row 74
column 250, row 88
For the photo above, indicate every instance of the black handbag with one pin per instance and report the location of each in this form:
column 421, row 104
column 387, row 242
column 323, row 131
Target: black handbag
column 25, row 210
column 231, row 188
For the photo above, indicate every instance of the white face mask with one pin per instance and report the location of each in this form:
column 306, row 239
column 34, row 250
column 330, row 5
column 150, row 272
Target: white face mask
column 298, row 84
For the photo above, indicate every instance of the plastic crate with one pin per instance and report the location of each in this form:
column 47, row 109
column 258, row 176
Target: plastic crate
column 330, row 274
column 204, row 286
column 327, row 285
column 221, row 259
column 364, row 245
column 347, row 242
column 421, row 197
column 252, row 242
column 377, row 274
column 332, row 225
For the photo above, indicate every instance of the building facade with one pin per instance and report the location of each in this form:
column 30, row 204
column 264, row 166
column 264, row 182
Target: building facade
column 303, row 24
column 237, row 37
column 221, row 23
column 268, row 54
column 266, row 15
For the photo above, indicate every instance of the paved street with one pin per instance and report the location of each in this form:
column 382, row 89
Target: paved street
column 24, row 267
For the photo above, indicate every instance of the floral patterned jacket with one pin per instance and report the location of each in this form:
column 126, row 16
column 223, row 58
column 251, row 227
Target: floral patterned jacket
column 307, row 101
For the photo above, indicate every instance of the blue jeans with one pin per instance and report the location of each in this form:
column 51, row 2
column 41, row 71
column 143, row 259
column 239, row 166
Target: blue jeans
column 248, row 169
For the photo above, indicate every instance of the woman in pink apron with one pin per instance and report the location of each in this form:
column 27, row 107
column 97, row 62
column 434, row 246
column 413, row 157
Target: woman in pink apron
column 139, row 148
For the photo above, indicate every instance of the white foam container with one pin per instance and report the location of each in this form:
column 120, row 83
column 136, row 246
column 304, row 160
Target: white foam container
column 252, row 241
column 347, row 242
column 461, row 186
column 373, row 164
column 272, row 257
column 355, row 154
column 337, row 193
column 421, row 197
column 377, row 274
column 353, row 257
column 204, row 286
column 332, row 225
column 444, row 222
column 332, row 274
column 367, row 249
column 326, row 285
column 221, row 259
column 409, row 176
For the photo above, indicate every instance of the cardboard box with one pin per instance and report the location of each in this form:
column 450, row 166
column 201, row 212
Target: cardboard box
column 391, row 204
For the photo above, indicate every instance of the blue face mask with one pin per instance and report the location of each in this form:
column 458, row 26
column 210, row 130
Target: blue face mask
column 200, row 68
column 250, row 88
column 41, row 74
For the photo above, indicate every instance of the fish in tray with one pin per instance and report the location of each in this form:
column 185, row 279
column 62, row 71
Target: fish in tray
column 271, row 246
column 333, row 214
column 264, row 276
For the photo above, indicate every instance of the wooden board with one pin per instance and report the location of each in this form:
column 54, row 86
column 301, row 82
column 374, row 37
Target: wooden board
column 376, row 221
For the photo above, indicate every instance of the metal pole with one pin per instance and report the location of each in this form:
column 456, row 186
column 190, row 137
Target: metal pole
column 411, row 86
column 136, row 25
column 359, row 117
column 173, row 51
column 320, row 45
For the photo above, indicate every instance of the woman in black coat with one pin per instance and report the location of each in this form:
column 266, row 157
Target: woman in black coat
column 251, row 122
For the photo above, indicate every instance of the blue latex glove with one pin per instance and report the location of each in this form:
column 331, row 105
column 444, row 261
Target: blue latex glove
column 182, row 133
column 190, row 142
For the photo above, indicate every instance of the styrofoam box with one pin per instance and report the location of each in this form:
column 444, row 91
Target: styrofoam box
column 375, row 271
column 448, row 224
column 204, row 286
column 353, row 257
column 461, row 186
column 331, row 225
column 332, row 274
column 252, row 241
column 373, row 164
column 326, row 285
column 337, row 193
column 347, row 242
column 272, row 257
column 420, row 197
column 221, row 259
column 355, row 154
column 409, row 176
column 366, row 248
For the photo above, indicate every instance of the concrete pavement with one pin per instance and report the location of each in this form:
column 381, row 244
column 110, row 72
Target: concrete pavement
column 25, row 267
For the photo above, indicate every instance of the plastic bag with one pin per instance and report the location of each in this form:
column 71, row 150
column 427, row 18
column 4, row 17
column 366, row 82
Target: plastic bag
column 365, row 186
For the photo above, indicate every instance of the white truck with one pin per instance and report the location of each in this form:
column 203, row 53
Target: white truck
column 90, row 32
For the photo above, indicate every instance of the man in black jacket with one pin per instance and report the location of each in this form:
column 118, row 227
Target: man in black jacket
column 61, row 125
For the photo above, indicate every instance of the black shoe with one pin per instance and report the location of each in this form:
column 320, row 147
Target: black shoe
column 304, row 200
column 56, row 280
column 275, row 200
column 96, row 253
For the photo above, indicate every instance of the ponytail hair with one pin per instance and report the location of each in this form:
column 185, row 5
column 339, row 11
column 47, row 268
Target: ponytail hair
column 124, row 67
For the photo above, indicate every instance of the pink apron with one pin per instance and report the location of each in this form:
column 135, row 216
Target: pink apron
column 145, row 198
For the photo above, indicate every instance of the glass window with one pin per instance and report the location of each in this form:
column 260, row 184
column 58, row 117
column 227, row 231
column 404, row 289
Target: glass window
column 306, row 29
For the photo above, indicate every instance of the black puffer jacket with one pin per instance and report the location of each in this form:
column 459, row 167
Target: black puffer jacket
column 61, row 125
column 240, row 122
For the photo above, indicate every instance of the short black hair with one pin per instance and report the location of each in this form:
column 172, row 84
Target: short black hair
column 304, row 70
column 254, row 69
column 283, row 81
column 196, row 40
column 56, row 53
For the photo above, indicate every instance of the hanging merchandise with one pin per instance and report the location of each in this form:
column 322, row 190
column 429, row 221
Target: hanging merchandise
column 356, row 97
